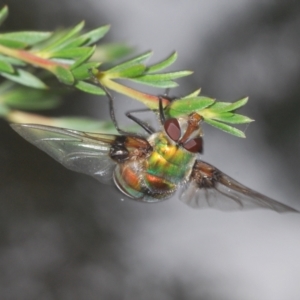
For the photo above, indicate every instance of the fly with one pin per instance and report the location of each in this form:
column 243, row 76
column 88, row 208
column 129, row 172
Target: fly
column 149, row 168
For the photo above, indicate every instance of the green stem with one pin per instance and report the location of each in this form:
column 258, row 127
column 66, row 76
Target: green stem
column 32, row 59
column 150, row 101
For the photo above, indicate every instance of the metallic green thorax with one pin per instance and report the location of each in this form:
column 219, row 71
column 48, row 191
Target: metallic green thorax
column 168, row 160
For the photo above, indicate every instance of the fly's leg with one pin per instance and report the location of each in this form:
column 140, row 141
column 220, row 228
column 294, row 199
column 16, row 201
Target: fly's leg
column 166, row 96
column 161, row 112
column 141, row 123
column 129, row 115
column 111, row 104
column 112, row 111
column 160, row 105
column 144, row 125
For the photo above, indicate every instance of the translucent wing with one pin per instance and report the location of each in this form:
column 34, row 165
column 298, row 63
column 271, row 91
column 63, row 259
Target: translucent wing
column 209, row 187
column 79, row 151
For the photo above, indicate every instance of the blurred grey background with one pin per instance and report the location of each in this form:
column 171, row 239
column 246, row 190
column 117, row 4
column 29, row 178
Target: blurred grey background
column 65, row 236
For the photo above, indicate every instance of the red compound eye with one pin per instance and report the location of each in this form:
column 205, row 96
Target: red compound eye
column 172, row 129
column 194, row 145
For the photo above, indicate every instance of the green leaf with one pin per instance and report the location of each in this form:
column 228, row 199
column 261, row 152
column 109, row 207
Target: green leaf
column 225, row 106
column 111, row 52
column 44, row 46
column 95, row 35
column 6, row 67
column 12, row 43
column 226, row 128
column 13, row 61
column 25, row 78
column 3, row 110
column 89, row 88
column 70, row 52
column 185, row 106
column 219, row 107
column 88, row 38
column 159, row 84
column 64, row 75
column 33, row 99
column 83, row 71
column 75, row 42
column 163, row 64
column 84, row 57
column 29, row 38
column 192, row 95
column 64, row 37
column 160, row 80
column 132, row 71
column 137, row 60
column 3, row 14
column 163, row 76
column 232, row 118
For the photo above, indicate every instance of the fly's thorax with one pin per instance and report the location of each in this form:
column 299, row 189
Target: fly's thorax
column 169, row 161
column 169, row 150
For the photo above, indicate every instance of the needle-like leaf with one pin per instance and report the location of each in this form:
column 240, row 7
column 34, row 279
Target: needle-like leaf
column 3, row 14
column 226, row 128
column 25, row 78
column 89, row 88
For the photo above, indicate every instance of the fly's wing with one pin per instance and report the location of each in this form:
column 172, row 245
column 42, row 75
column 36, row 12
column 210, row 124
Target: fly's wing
column 79, row 151
column 209, row 187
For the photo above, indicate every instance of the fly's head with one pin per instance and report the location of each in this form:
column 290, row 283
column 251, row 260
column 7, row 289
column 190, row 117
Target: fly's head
column 186, row 132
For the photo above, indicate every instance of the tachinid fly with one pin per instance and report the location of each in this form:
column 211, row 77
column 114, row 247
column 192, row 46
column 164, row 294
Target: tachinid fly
column 152, row 168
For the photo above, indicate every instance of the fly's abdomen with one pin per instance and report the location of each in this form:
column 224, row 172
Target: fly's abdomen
column 133, row 180
column 165, row 171
column 127, row 178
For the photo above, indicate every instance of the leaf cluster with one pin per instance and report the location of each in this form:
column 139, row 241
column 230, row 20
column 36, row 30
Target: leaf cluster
column 29, row 58
column 214, row 113
column 64, row 53
column 137, row 71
